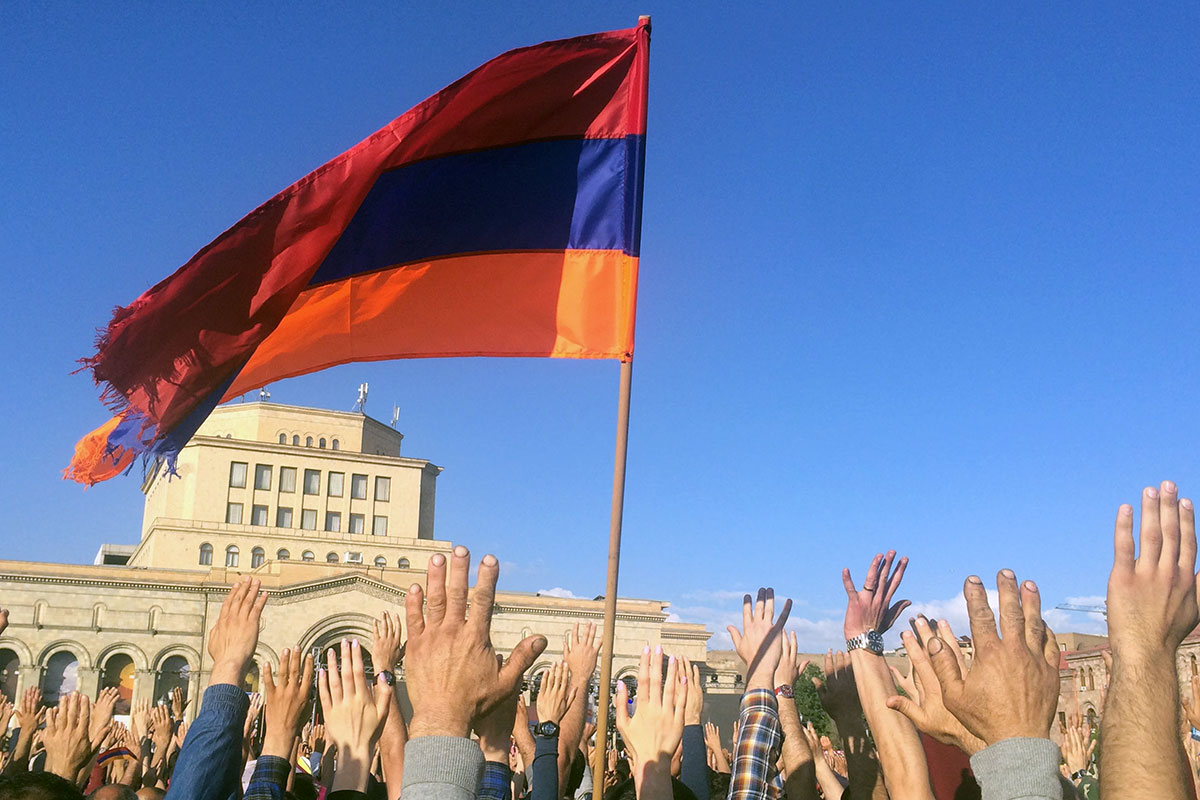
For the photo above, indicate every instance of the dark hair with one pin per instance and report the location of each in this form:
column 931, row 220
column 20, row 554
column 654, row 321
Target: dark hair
column 718, row 783
column 625, row 790
column 38, row 786
column 113, row 791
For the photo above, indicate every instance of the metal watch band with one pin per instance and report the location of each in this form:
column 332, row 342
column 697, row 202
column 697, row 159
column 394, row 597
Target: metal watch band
column 868, row 640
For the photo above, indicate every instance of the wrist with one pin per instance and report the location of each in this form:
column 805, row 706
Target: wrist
column 225, row 670
column 763, row 679
column 425, row 723
column 277, row 746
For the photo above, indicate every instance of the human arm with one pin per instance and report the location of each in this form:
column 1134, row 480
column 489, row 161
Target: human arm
column 839, row 697
column 29, row 716
column 522, row 736
column 580, row 650
column 208, row 763
column 800, row 782
column 555, row 696
column 829, row 781
column 69, row 748
column 694, row 769
column 495, row 739
column 160, row 731
column 654, row 732
column 1151, row 608
column 354, row 715
column 869, row 611
column 453, row 675
column 712, row 741
column 758, row 738
column 389, row 649
column 284, row 697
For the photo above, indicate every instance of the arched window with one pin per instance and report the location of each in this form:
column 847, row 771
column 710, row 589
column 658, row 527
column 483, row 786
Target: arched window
column 283, row 555
column 118, row 674
column 257, row 557
column 206, row 555
column 307, row 555
column 403, row 563
column 380, row 561
column 296, row 441
column 308, row 441
column 283, row 438
column 250, row 682
column 336, row 445
column 1192, row 658
column 10, row 662
column 331, row 558
column 61, row 677
column 231, row 556
column 1091, row 680
column 174, row 672
column 321, row 443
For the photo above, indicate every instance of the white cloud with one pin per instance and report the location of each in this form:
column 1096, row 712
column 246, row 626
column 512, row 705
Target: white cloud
column 558, row 591
column 725, row 608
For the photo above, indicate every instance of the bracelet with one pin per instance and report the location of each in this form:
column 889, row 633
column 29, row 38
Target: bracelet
column 783, row 690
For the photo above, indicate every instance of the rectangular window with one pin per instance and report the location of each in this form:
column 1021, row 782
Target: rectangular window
column 383, row 489
column 333, row 521
column 262, row 476
column 356, row 523
column 358, row 487
column 336, row 482
column 283, row 518
column 237, row 475
column 312, row 481
column 379, row 526
column 258, row 515
column 233, row 513
column 287, row 479
column 308, row 519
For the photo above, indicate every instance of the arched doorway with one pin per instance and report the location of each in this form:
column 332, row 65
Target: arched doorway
column 10, row 663
column 61, row 677
column 117, row 673
column 174, row 672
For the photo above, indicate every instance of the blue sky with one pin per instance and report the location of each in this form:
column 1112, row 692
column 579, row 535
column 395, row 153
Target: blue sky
column 919, row 277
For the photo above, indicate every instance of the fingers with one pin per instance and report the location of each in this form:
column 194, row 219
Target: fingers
column 656, row 676
column 1168, row 515
column 1050, row 648
column 783, row 615
column 357, row 670
column 323, row 687
column 335, row 679
column 483, row 599
column 1012, row 619
column 1035, row 626
column 1151, row 534
column 456, row 586
column 414, row 612
column 670, row 683
column 922, row 667
column 269, row 680
column 894, row 581
column 1123, row 552
column 435, row 585
column 983, row 623
column 1187, row 535
column 519, row 661
column 848, row 584
column 621, row 708
column 945, row 668
column 760, row 603
column 829, row 663
column 769, row 607
column 747, row 612
column 383, row 698
column 680, row 699
column 908, row 708
column 735, row 635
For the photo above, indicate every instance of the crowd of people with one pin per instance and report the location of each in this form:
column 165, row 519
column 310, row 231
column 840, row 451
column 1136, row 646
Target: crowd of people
column 954, row 727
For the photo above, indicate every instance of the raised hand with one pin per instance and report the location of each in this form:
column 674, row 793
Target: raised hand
column 68, row 747
column 256, row 706
column 354, row 716
column 1077, row 747
column 285, row 697
column 580, row 651
column 388, row 646
column 871, row 608
column 6, row 714
column 161, row 731
column 790, row 666
column 757, row 643
column 232, row 640
column 655, row 731
column 694, row 710
column 712, row 741
column 451, row 668
column 924, row 704
column 102, row 714
column 495, row 729
column 1011, row 689
column 316, row 738
column 837, row 692
column 178, row 704
column 139, row 719
column 1191, row 707
column 556, row 693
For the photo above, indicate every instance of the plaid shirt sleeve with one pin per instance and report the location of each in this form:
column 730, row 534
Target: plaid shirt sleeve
column 496, row 783
column 757, row 749
column 269, row 779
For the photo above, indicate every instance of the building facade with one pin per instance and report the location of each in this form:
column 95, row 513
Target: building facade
column 323, row 508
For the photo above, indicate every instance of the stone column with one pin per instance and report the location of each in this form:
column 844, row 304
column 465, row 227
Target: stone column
column 88, row 683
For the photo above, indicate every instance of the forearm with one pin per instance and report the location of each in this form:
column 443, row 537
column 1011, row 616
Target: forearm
column 20, row 756
column 391, row 748
column 570, row 731
column 544, row 769
column 756, row 747
column 1024, row 769
column 526, row 746
column 901, row 757
column 269, row 781
column 694, row 770
column 207, row 768
column 798, row 762
column 1142, row 755
column 831, row 786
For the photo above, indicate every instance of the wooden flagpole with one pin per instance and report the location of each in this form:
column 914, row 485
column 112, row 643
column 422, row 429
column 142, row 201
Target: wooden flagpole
column 604, row 701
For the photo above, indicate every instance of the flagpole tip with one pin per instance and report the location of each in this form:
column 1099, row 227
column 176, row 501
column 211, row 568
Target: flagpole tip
column 644, row 19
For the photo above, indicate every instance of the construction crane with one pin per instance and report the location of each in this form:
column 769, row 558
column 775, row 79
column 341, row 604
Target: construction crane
column 1101, row 610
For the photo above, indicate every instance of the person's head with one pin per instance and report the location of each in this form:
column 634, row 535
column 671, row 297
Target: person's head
column 113, row 791
column 150, row 793
column 38, row 786
column 625, row 790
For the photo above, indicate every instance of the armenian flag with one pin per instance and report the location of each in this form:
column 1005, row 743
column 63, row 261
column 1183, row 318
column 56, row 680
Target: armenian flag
column 499, row 217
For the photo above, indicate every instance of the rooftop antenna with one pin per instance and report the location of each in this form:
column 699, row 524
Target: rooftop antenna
column 360, row 405
column 263, row 395
column 395, row 415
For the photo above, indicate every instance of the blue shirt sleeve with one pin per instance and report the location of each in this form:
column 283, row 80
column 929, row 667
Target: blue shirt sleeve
column 496, row 783
column 544, row 771
column 210, row 761
column 694, row 770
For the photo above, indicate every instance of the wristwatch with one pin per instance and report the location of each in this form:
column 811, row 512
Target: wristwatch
column 547, row 730
column 869, row 640
column 783, row 690
column 1079, row 773
column 388, row 677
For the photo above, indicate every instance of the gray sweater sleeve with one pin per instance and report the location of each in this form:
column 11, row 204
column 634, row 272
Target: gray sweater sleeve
column 441, row 768
column 1018, row 769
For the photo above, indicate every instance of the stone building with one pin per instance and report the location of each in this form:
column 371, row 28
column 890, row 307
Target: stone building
column 322, row 507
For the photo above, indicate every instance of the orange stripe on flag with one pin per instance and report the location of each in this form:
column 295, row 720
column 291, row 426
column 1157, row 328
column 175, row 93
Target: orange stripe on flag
column 572, row 304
